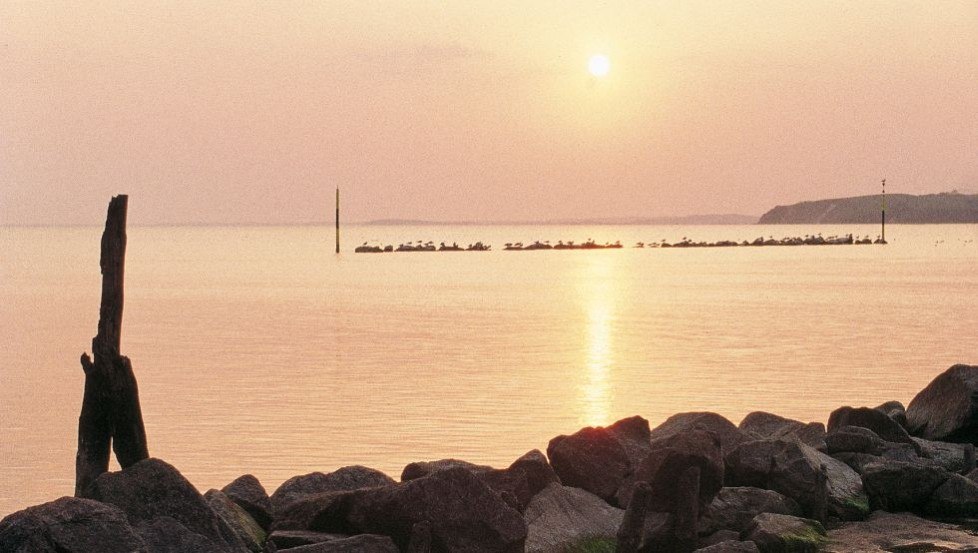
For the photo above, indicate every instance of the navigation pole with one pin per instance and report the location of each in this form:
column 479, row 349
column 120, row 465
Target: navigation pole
column 882, row 215
column 337, row 220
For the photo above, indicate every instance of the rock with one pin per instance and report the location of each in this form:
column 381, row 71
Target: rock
column 956, row 497
column 730, row 546
column 719, row 536
column 69, row 525
column 464, row 513
column 420, row 469
column 846, row 498
column 344, row 479
column 164, row 534
column 775, row 533
column 959, row 458
column 788, row 467
column 895, row 410
column 560, row 516
column 897, row 486
column 855, row 439
column 946, row 409
column 634, row 436
column 240, row 522
column 248, row 492
column 319, row 512
column 761, row 425
column 883, row 532
column 735, row 507
column 152, row 488
column 286, row 539
column 728, row 434
column 363, row 543
column 669, row 457
column 592, row 459
column 884, row 427
column 972, row 475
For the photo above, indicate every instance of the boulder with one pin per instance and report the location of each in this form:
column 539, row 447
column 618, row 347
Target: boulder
column 956, row 497
column 668, row 458
column 344, row 479
column 728, row 433
column 761, row 425
column 592, row 459
column 248, row 493
column 730, row 546
column 164, row 534
column 240, row 522
column 287, row 539
column 947, row 408
column 855, row 439
column 463, row 512
column 420, row 469
column 959, row 458
column 735, row 507
column 773, row 533
column 319, row 512
column 904, row 532
column 363, row 543
column 846, row 498
column 152, row 488
column 884, row 427
column 69, row 525
column 788, row 467
column 634, row 436
column 897, row 486
column 895, row 410
column 560, row 516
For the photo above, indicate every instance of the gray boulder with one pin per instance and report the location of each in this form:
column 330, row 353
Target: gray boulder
column 956, row 497
column 773, row 533
column 846, row 498
column 248, row 493
column 560, row 516
column 761, row 425
column 152, row 488
column 665, row 463
column 788, row 467
column 240, row 522
column 854, row 439
column 895, row 410
column 320, row 512
column 728, row 433
column 592, row 459
column 884, row 427
column 420, row 469
column 344, row 479
column 959, row 458
column 897, row 486
column 363, row 543
column 288, row 539
column 69, row 525
column 730, row 546
column 902, row 532
column 734, row 508
column 947, row 408
column 164, row 534
column 464, row 514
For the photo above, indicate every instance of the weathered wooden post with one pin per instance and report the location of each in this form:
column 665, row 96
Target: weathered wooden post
column 110, row 413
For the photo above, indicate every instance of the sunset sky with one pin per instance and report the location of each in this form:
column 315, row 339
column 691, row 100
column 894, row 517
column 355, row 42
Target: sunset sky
column 234, row 112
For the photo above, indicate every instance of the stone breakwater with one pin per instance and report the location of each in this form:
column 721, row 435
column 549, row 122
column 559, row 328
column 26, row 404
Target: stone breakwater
column 871, row 479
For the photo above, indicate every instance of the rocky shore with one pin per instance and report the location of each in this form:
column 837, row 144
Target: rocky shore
column 883, row 478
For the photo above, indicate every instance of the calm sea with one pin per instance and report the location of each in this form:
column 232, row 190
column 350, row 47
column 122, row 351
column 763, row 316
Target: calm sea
column 260, row 351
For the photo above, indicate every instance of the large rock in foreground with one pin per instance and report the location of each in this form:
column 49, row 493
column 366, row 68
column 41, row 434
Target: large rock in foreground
column 884, row 532
column 593, row 459
column 785, row 534
column 735, row 508
column 152, row 489
column 251, row 496
column 345, row 479
column 947, row 409
column 897, row 486
column 463, row 513
column 69, row 525
column 561, row 516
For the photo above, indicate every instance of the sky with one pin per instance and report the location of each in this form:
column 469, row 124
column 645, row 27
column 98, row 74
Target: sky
column 251, row 112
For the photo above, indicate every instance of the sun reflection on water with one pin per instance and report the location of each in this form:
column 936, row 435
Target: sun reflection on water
column 597, row 286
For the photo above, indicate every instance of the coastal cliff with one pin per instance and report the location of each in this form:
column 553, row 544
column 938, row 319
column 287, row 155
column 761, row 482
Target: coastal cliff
column 947, row 207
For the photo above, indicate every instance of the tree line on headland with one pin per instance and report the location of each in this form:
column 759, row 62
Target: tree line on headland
column 944, row 208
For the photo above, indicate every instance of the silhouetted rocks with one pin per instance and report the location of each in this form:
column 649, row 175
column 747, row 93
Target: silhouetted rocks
column 592, row 459
column 947, row 408
column 344, row 479
column 788, row 467
column 855, row 439
column 464, row 513
column 877, row 421
column 760, row 425
column 420, row 469
column 69, row 525
column 561, row 516
column 251, row 496
column 774, row 533
column 899, row 486
column 668, row 458
column 895, row 410
column 728, row 433
column 956, row 497
column 734, row 508
column 153, row 489
column 238, row 520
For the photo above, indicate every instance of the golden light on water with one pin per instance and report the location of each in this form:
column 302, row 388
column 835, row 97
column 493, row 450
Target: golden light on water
column 597, row 286
column 599, row 65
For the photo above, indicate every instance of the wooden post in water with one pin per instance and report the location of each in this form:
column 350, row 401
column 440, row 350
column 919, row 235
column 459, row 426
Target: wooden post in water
column 337, row 220
column 110, row 413
column 883, row 215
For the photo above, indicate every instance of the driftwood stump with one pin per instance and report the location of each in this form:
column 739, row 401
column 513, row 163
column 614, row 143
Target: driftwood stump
column 110, row 413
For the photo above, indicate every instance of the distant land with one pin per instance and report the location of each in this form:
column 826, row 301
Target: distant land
column 709, row 219
column 946, row 207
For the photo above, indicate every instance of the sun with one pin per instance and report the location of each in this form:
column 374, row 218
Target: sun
column 599, row 65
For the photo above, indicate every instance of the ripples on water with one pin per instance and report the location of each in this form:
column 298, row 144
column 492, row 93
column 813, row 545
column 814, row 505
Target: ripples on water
column 259, row 350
